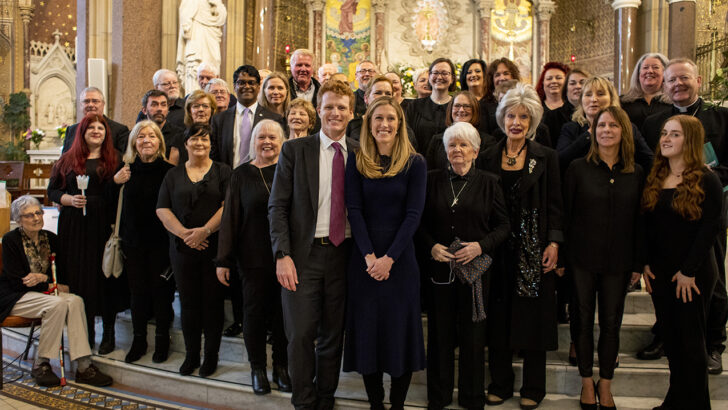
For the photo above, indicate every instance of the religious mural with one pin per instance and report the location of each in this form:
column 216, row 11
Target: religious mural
column 511, row 32
column 348, row 34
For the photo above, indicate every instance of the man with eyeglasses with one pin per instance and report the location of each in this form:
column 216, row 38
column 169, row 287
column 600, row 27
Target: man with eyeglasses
column 301, row 83
column 167, row 81
column 231, row 129
column 682, row 86
column 155, row 105
column 92, row 102
column 365, row 71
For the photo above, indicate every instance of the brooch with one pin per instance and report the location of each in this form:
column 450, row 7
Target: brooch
column 531, row 165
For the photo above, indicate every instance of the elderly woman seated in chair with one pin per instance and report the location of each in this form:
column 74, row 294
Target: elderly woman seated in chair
column 26, row 277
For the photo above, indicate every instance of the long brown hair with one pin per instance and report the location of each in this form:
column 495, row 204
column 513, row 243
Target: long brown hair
column 626, row 145
column 689, row 194
column 367, row 158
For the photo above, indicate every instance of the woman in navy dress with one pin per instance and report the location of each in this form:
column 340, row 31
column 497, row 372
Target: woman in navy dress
column 384, row 327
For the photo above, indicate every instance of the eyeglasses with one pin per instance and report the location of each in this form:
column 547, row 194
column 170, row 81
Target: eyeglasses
column 218, row 92
column 443, row 74
column 30, row 215
column 91, row 101
column 243, row 83
column 466, row 107
column 168, row 84
column 366, row 71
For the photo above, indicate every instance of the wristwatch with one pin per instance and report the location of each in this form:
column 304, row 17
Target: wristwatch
column 281, row 254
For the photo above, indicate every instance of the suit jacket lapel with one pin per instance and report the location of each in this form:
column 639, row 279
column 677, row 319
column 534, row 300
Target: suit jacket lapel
column 228, row 134
column 311, row 156
column 258, row 115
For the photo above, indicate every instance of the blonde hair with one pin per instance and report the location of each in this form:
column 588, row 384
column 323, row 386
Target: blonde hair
column 261, row 94
column 131, row 151
column 367, row 158
column 597, row 82
column 306, row 106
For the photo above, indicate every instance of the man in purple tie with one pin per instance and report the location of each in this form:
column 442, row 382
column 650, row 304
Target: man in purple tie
column 231, row 129
column 310, row 238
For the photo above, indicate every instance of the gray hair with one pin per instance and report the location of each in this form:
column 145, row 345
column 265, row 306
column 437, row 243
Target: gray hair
column 418, row 73
column 303, row 52
column 207, row 66
column 464, row 131
column 265, row 124
column 93, row 89
column 159, row 73
column 523, row 95
column 17, row 206
column 635, row 88
column 214, row 81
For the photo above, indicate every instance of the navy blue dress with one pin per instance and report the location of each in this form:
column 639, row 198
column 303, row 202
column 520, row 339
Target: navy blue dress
column 383, row 319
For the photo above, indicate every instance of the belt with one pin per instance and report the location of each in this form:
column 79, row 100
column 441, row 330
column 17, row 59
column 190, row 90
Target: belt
column 325, row 241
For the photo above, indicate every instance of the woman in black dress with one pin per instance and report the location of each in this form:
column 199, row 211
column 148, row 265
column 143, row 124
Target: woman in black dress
column 523, row 302
column 603, row 231
column 145, row 241
column 645, row 96
column 682, row 205
column 190, row 207
column 465, row 203
column 499, row 70
column 426, row 116
column 463, row 107
column 383, row 316
column 570, row 94
column 245, row 243
column 550, row 85
column 85, row 223
column 200, row 107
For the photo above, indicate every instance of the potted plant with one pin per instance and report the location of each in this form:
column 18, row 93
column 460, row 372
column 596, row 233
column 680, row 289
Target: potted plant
column 16, row 118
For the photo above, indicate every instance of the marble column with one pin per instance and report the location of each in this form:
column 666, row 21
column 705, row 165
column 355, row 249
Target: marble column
column 26, row 13
column 317, row 45
column 544, row 10
column 170, row 24
column 234, row 35
column 681, row 31
column 264, row 23
column 93, row 34
column 484, row 9
column 625, row 32
column 132, row 66
column 379, row 6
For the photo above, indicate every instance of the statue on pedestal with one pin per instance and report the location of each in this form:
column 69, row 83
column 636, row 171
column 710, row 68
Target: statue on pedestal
column 200, row 33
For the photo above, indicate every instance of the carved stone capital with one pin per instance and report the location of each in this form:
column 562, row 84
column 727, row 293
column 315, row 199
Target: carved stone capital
column 316, row 5
column 545, row 9
column 26, row 8
column 484, row 7
column 379, row 6
column 620, row 4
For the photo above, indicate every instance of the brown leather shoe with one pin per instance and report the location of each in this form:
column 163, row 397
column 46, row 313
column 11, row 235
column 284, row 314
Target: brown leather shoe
column 94, row 377
column 44, row 376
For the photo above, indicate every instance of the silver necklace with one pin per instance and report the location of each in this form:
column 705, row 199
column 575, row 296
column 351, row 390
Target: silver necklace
column 456, row 197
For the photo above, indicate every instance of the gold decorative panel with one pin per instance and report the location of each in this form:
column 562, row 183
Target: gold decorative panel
column 52, row 15
column 584, row 28
column 711, row 16
column 291, row 29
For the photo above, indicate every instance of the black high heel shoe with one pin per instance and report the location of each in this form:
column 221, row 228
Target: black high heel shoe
column 589, row 406
column 602, row 406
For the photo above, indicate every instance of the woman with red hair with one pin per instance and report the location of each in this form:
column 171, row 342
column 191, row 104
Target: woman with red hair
column 550, row 84
column 84, row 224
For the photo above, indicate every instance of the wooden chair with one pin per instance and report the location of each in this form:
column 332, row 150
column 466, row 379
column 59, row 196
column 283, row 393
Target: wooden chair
column 18, row 322
column 35, row 181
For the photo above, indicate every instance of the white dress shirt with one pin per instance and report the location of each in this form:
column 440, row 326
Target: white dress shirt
column 239, row 108
column 326, row 159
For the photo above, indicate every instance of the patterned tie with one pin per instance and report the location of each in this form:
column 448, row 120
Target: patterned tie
column 244, row 132
column 337, row 223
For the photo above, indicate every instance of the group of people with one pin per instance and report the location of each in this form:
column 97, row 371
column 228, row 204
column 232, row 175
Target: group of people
column 325, row 212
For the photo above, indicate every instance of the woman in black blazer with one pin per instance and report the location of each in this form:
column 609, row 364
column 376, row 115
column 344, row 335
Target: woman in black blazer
column 466, row 203
column 603, row 230
column 523, row 302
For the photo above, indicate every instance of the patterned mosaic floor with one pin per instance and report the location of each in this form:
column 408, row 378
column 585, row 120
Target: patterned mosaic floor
column 72, row 396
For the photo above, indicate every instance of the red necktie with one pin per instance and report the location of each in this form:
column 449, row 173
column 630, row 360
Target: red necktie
column 337, row 223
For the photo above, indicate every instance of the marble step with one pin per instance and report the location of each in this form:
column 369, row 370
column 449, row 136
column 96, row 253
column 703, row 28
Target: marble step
column 633, row 378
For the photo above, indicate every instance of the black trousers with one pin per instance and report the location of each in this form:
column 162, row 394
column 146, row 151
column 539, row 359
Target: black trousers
column 682, row 328
column 610, row 290
column 236, row 296
column 313, row 316
column 151, row 296
column 450, row 325
column 397, row 394
column 500, row 362
column 201, row 299
column 262, row 296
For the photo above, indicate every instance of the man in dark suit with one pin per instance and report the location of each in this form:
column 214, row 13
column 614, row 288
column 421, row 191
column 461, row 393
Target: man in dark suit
column 92, row 102
column 682, row 86
column 232, row 128
column 167, row 81
column 301, row 83
column 309, row 234
column 365, row 71
column 155, row 105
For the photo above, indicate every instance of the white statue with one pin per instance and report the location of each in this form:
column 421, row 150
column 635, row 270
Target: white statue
column 200, row 23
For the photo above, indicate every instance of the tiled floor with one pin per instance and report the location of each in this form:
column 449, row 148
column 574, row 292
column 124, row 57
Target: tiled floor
column 10, row 404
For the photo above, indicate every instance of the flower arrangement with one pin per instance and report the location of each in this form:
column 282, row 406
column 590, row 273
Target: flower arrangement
column 34, row 136
column 61, row 130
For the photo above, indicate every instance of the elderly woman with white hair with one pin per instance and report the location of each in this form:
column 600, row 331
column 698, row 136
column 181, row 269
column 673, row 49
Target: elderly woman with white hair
column 463, row 205
column 644, row 96
column 244, row 247
column 26, row 276
column 522, row 305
